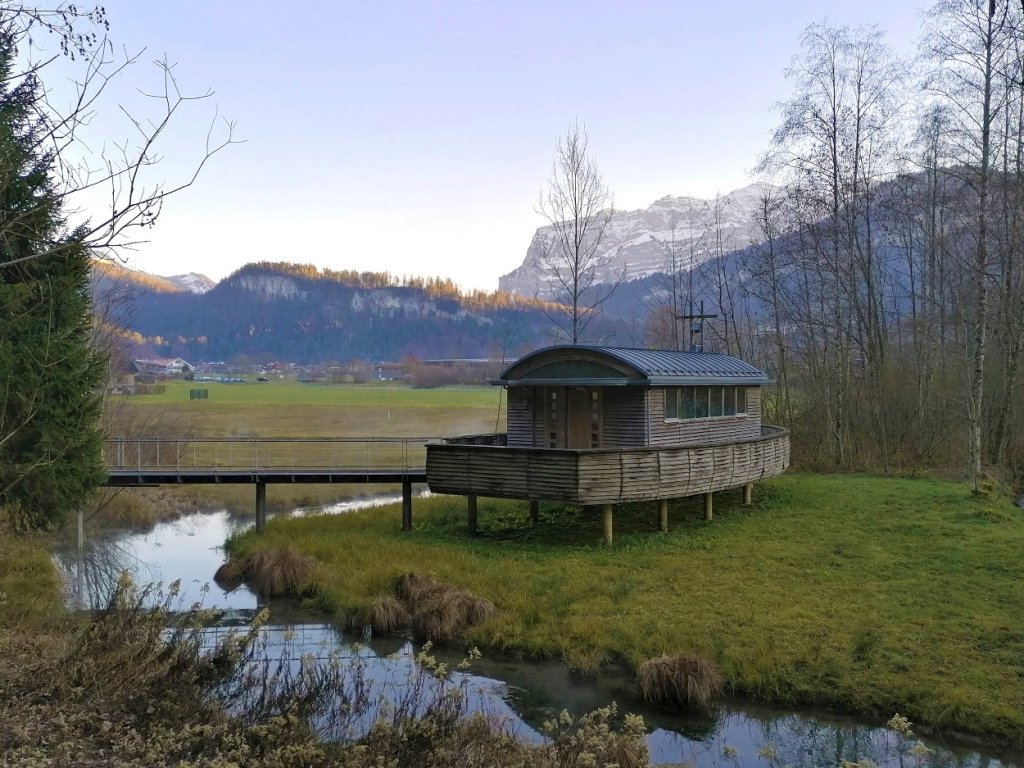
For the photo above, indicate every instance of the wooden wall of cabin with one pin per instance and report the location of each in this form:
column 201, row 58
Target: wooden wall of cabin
column 624, row 416
column 686, row 432
column 524, row 429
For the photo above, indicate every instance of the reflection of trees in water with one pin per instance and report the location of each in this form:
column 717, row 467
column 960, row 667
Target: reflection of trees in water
column 92, row 572
column 803, row 742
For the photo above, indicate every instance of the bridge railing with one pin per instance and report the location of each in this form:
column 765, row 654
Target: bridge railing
column 207, row 454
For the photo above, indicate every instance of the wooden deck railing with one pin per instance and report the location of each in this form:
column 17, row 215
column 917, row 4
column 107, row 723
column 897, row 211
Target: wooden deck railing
column 227, row 454
column 472, row 466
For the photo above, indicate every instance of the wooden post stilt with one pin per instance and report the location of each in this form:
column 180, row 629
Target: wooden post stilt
column 534, row 511
column 471, row 514
column 406, row 506
column 708, row 506
column 748, row 494
column 261, row 507
column 606, row 519
column 663, row 515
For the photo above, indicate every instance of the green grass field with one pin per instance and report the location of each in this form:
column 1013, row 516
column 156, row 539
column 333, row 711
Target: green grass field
column 866, row 594
column 291, row 409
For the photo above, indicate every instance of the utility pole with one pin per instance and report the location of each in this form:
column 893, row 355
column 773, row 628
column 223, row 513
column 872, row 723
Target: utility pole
column 696, row 327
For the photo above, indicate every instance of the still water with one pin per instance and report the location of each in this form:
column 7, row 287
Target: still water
column 520, row 695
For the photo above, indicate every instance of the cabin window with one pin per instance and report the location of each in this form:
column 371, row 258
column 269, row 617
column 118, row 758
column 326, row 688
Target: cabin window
column 682, row 403
column 715, row 397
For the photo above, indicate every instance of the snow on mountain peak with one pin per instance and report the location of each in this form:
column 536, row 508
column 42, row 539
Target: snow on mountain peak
column 193, row 282
column 636, row 243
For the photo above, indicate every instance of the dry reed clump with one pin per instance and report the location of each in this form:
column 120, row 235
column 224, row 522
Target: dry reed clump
column 448, row 613
column 413, row 589
column 686, row 680
column 229, row 576
column 388, row 614
column 273, row 572
column 436, row 611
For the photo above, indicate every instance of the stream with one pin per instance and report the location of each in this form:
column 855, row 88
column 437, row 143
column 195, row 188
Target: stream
column 522, row 695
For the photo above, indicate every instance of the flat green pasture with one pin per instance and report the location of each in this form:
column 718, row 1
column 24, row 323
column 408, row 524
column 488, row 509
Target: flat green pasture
column 866, row 594
column 291, row 392
column 292, row 409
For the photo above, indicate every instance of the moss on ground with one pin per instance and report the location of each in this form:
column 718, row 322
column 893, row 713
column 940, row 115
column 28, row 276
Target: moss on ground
column 866, row 594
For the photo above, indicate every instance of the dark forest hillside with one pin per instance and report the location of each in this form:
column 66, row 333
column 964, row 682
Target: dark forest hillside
column 302, row 314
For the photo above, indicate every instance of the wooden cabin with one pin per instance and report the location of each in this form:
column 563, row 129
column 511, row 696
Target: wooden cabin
column 596, row 425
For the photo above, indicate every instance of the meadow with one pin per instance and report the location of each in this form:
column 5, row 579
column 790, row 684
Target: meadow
column 288, row 408
column 865, row 594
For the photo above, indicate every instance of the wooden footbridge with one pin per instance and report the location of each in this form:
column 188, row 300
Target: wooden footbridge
column 134, row 462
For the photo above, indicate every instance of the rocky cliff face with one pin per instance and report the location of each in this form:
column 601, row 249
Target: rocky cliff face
column 638, row 243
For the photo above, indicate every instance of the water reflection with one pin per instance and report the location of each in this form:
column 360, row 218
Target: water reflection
column 520, row 696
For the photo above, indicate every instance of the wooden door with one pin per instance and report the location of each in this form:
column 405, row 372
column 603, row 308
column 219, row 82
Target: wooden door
column 578, row 420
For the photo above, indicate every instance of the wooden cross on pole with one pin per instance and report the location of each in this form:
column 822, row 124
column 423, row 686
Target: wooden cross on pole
column 696, row 326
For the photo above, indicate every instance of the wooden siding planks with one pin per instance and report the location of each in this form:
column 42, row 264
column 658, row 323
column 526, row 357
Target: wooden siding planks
column 520, row 417
column 605, row 476
column 624, row 415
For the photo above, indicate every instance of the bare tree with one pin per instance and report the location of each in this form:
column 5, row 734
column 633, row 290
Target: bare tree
column 578, row 206
column 971, row 44
column 111, row 192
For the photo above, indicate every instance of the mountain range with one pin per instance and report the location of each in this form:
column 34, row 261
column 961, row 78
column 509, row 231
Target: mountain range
column 637, row 244
column 303, row 314
column 299, row 313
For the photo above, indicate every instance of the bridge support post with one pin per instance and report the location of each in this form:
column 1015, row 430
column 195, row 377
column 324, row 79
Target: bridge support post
column 708, row 506
column 471, row 514
column 748, row 494
column 406, row 506
column 261, row 507
column 534, row 511
column 606, row 520
column 663, row 515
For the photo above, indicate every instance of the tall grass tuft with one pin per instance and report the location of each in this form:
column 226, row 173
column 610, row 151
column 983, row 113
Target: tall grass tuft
column 388, row 614
column 686, row 680
column 273, row 572
column 229, row 576
column 439, row 612
column 415, row 588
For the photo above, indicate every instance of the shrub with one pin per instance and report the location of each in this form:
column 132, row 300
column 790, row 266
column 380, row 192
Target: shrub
column 685, row 680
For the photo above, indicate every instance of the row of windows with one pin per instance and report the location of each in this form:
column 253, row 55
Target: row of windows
column 705, row 402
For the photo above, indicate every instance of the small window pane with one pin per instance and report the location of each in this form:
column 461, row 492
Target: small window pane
column 671, row 404
column 700, row 410
column 741, row 399
column 716, row 400
column 689, row 409
column 730, row 401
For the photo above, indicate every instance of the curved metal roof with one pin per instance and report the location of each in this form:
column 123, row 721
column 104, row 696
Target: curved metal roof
column 649, row 366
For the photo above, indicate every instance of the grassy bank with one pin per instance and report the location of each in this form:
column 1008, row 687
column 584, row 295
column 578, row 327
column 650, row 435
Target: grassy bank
column 866, row 594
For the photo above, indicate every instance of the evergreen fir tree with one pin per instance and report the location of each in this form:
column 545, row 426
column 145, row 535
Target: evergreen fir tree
column 50, row 378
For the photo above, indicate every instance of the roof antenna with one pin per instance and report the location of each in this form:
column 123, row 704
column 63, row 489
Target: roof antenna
column 696, row 326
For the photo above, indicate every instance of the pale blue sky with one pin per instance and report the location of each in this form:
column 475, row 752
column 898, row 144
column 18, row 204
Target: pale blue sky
column 414, row 137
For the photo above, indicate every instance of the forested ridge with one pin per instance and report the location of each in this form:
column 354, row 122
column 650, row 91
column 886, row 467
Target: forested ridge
column 299, row 313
